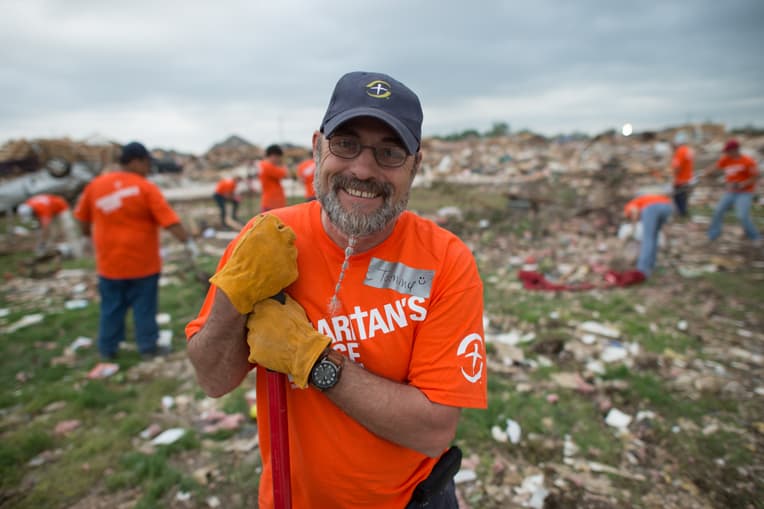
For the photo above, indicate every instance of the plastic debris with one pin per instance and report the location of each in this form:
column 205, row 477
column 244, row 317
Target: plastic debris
column 465, row 475
column 103, row 370
column 618, row 419
column 24, row 321
column 169, row 436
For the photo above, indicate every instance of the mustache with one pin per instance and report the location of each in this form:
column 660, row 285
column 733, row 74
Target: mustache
column 383, row 189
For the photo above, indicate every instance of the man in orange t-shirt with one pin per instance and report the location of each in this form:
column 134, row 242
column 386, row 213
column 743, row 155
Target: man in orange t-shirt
column 123, row 213
column 682, row 164
column 653, row 210
column 225, row 192
column 398, row 299
column 271, row 174
column 44, row 207
column 740, row 176
column 305, row 172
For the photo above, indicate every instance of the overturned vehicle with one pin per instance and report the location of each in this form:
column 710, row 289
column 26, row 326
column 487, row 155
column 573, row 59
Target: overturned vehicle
column 56, row 166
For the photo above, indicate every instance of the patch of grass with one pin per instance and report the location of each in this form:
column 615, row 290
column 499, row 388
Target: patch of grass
column 17, row 449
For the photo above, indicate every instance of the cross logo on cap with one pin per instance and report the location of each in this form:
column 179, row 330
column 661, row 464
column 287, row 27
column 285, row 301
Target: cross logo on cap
column 379, row 89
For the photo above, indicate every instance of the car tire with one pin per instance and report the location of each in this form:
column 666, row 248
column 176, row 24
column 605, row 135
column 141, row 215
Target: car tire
column 58, row 167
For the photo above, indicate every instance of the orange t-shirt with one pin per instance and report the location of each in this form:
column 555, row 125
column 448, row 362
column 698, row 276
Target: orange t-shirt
column 46, row 207
column 411, row 311
column 126, row 211
column 682, row 163
column 226, row 187
column 738, row 169
column 270, row 181
column 640, row 202
column 306, row 171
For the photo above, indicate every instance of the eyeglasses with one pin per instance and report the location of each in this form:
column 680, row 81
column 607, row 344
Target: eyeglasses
column 347, row 147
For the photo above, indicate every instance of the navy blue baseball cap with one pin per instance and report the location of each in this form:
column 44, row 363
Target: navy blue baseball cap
column 374, row 94
column 133, row 150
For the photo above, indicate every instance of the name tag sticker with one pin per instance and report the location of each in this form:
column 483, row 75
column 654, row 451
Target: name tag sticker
column 399, row 277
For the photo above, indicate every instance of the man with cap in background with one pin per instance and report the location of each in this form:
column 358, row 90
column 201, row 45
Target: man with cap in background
column 682, row 164
column 381, row 325
column 740, row 176
column 123, row 211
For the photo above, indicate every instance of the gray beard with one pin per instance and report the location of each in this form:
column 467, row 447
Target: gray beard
column 354, row 223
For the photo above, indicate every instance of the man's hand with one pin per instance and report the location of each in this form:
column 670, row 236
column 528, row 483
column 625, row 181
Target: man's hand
column 282, row 339
column 263, row 262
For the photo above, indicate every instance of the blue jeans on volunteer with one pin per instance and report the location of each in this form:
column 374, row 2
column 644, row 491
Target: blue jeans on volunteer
column 742, row 203
column 117, row 296
column 653, row 218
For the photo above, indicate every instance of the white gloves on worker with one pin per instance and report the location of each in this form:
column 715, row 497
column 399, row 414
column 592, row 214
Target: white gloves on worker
column 192, row 249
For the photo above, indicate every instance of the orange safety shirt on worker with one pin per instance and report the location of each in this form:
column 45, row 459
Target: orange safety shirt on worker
column 226, row 187
column 682, row 163
column 640, row 202
column 126, row 211
column 738, row 169
column 411, row 311
column 46, row 207
column 270, row 181
column 306, row 171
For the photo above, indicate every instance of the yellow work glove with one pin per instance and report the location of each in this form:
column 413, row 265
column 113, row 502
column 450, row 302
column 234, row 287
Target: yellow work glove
column 263, row 263
column 281, row 338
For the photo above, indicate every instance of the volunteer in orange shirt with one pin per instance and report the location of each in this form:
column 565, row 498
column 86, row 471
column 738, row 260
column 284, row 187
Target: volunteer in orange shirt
column 399, row 298
column 305, row 172
column 740, row 175
column 271, row 174
column 225, row 192
column 123, row 212
column 653, row 210
column 682, row 164
column 44, row 207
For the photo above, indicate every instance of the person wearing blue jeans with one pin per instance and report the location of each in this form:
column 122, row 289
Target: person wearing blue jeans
column 117, row 296
column 653, row 210
column 742, row 204
column 740, row 176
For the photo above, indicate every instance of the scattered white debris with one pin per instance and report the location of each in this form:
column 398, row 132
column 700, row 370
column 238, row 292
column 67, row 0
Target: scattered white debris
column 165, row 338
column 168, row 402
column 514, row 432
column 643, row 415
column 599, row 329
column 618, row 419
column 25, row 321
column 76, row 304
column 513, row 337
column 169, row 436
column 465, row 475
column 682, row 325
column 80, row 342
column 163, row 318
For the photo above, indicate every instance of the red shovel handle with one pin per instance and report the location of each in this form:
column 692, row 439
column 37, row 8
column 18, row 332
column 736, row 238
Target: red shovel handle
column 277, row 412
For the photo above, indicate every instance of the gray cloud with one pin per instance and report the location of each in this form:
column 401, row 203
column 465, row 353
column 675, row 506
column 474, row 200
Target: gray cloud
column 185, row 74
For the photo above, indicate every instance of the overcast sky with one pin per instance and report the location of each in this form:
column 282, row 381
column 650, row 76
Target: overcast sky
column 187, row 74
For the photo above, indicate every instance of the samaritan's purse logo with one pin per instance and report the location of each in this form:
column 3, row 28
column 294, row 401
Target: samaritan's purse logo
column 470, row 349
column 379, row 89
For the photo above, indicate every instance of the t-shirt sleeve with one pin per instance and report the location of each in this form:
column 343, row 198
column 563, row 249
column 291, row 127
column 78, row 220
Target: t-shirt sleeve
column 448, row 359
column 160, row 209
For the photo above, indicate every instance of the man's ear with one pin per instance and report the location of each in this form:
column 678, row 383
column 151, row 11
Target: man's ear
column 417, row 163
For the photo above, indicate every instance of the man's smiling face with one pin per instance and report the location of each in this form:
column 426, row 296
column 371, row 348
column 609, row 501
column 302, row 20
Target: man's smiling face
column 360, row 196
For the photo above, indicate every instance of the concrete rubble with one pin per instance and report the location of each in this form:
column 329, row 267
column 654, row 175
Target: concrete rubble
column 570, row 191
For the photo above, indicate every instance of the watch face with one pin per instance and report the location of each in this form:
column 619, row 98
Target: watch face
column 324, row 374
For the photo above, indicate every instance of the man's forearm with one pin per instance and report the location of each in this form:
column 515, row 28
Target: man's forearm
column 396, row 412
column 219, row 350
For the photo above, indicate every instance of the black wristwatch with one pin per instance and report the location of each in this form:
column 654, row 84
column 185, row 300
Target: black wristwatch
column 327, row 370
